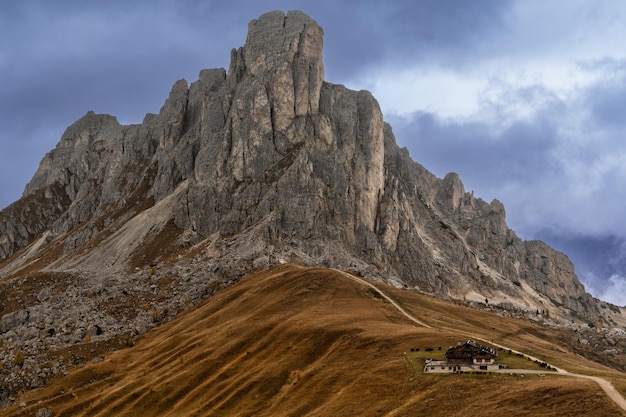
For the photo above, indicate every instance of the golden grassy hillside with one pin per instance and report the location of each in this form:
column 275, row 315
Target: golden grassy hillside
column 294, row 341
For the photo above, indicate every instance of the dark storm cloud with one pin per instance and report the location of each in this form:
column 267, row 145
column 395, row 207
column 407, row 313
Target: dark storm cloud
column 407, row 32
column 493, row 151
column 607, row 253
column 607, row 100
column 483, row 157
column 106, row 57
column 600, row 261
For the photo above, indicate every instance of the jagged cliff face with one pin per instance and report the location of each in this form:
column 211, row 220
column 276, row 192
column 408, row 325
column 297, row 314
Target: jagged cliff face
column 267, row 161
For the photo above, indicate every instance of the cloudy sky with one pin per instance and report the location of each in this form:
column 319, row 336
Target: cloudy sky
column 525, row 99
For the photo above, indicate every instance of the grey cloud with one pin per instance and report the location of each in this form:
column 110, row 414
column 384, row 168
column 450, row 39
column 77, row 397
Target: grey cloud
column 605, row 99
column 602, row 254
column 600, row 261
column 452, row 24
column 608, row 104
column 404, row 33
column 482, row 156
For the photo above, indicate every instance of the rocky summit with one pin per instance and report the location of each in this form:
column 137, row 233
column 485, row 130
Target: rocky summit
column 122, row 227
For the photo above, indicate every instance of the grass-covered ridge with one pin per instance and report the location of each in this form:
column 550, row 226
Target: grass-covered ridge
column 311, row 342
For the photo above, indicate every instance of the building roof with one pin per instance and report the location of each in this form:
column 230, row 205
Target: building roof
column 470, row 350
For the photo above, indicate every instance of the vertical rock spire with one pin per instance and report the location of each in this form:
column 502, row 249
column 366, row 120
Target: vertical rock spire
column 285, row 49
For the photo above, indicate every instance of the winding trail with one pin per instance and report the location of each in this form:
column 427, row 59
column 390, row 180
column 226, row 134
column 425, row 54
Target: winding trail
column 386, row 297
column 606, row 386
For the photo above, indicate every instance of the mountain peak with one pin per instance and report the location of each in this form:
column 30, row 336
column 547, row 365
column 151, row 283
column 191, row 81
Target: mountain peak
column 276, row 37
column 284, row 53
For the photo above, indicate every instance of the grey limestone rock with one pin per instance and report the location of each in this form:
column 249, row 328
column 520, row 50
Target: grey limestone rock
column 44, row 412
column 245, row 168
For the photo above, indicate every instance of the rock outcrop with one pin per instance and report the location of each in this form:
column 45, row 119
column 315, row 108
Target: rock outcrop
column 263, row 163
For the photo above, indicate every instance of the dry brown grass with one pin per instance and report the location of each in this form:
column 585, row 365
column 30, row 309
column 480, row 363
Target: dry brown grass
column 294, row 341
column 543, row 342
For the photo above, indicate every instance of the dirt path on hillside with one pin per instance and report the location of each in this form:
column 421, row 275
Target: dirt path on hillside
column 386, row 297
column 606, row 386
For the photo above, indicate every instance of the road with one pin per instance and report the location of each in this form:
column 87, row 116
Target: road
column 606, row 386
